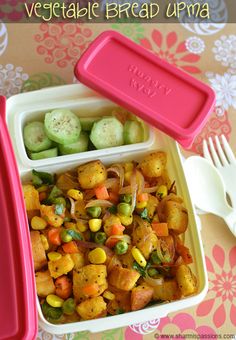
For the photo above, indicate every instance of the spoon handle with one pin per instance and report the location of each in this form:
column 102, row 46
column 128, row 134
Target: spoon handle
column 231, row 222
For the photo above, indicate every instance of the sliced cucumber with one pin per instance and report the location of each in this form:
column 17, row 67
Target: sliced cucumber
column 106, row 133
column 35, row 138
column 87, row 122
column 80, row 146
column 62, row 126
column 133, row 132
column 44, row 154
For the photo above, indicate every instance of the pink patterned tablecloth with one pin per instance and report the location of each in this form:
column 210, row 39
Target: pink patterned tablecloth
column 34, row 56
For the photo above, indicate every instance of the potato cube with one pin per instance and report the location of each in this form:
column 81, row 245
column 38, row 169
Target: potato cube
column 123, row 278
column 92, row 308
column 167, row 291
column 44, row 284
column 31, row 197
column 154, row 164
column 187, row 282
column 61, row 266
column 141, row 296
column 176, row 217
column 38, row 251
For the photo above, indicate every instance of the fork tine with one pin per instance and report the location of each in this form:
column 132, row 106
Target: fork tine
column 228, row 150
column 214, row 154
column 206, row 152
column 221, row 152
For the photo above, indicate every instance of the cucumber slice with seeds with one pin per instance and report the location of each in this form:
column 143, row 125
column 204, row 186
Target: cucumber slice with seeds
column 87, row 122
column 80, row 146
column 35, row 138
column 106, row 133
column 44, row 154
column 133, row 132
column 62, row 126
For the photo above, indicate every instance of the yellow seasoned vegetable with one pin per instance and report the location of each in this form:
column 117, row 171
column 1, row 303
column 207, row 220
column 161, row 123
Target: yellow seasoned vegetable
column 44, row 283
column 61, row 266
column 92, row 308
column 48, row 213
column 88, row 275
column 123, row 278
column 95, row 224
column 167, row 291
column 186, row 280
column 91, row 174
column 54, row 300
column 176, row 217
column 39, row 255
column 54, row 256
column 145, row 239
column 109, row 295
column 138, row 256
column 44, row 242
column 78, row 260
column 75, row 194
column 31, row 197
column 154, row 164
column 141, row 296
column 109, row 222
column 38, row 223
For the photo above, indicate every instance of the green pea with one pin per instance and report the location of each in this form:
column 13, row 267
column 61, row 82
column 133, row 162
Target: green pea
column 124, row 209
column 60, row 200
column 68, row 306
column 100, row 237
column 154, row 258
column 51, row 313
column 65, row 237
column 152, row 272
column 126, row 198
column 121, row 247
column 95, row 212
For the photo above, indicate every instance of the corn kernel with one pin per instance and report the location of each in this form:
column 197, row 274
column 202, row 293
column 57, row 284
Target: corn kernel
column 162, row 191
column 141, row 205
column 127, row 176
column 108, row 295
column 129, row 166
column 54, row 300
column 54, row 256
column 138, row 256
column 75, row 194
column 97, row 256
column 95, row 224
column 125, row 220
column 38, row 223
column 82, row 227
column 44, row 241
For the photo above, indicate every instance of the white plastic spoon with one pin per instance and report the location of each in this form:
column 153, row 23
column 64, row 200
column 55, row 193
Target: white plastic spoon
column 207, row 189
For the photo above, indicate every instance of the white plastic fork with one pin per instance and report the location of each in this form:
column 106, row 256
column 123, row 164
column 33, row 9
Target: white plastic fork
column 222, row 157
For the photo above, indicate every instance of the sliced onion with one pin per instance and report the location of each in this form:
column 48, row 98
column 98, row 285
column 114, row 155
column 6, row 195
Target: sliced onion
column 161, row 205
column 134, row 188
column 159, row 252
column 125, row 190
column 150, row 190
column 92, row 245
column 141, row 181
column 119, row 171
column 125, row 238
column 89, row 194
column 111, row 183
column 99, row 203
column 72, row 208
column 153, row 282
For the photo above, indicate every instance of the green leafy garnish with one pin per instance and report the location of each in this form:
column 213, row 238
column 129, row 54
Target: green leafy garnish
column 141, row 270
column 59, row 209
column 74, row 234
column 144, row 215
column 40, row 178
column 120, row 311
column 55, row 192
column 113, row 209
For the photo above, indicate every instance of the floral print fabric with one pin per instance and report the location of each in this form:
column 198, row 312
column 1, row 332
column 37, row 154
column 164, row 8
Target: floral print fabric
column 42, row 55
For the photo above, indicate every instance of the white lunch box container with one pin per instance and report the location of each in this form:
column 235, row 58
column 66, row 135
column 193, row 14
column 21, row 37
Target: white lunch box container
column 29, row 106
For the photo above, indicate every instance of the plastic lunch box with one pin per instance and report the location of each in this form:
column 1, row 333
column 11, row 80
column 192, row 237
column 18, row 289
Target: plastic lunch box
column 19, row 305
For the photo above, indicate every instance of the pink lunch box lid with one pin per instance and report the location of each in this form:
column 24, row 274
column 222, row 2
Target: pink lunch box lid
column 18, row 312
column 159, row 93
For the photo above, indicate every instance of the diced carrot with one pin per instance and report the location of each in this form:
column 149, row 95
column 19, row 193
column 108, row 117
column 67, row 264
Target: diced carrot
column 114, row 197
column 111, row 242
column 117, row 229
column 161, row 229
column 101, row 193
column 185, row 253
column 42, row 196
column 63, row 287
column 90, row 289
column 54, row 236
column 142, row 197
column 70, row 247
